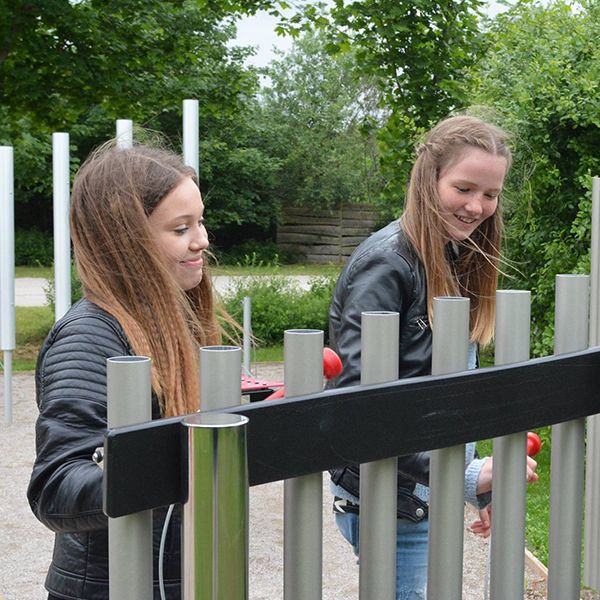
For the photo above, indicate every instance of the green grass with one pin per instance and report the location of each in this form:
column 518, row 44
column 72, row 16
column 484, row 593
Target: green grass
column 32, row 323
column 538, row 497
column 27, row 271
column 268, row 354
column 283, row 270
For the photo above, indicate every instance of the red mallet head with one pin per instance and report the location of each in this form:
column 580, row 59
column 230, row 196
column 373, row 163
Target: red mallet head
column 534, row 444
column 332, row 365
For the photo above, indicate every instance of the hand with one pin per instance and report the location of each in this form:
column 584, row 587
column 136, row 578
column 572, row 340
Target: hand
column 483, row 526
column 531, row 475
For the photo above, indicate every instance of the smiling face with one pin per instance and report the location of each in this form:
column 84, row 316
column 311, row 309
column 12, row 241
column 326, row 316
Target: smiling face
column 468, row 191
column 178, row 226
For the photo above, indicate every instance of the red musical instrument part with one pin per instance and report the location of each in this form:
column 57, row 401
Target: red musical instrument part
column 332, row 367
column 534, row 443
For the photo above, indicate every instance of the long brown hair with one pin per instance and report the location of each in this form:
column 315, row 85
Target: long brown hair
column 123, row 271
column 473, row 273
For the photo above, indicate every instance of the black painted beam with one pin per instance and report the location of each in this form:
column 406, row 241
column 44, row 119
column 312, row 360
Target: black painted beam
column 145, row 464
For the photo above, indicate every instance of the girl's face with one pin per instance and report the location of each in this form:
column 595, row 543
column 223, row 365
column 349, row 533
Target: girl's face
column 469, row 190
column 178, row 227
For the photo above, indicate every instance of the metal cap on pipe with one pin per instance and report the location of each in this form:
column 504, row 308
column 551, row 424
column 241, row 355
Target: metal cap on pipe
column 220, row 377
column 303, row 361
column 129, row 390
column 571, row 324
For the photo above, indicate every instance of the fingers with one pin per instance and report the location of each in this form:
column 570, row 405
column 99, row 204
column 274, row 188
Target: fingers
column 531, row 475
column 483, row 526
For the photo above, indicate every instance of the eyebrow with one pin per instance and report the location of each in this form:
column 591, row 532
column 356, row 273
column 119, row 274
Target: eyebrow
column 473, row 184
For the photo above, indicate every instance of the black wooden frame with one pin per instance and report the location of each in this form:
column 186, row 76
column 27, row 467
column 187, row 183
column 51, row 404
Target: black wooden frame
column 145, row 465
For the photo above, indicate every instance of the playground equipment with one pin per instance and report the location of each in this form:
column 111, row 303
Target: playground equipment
column 568, row 446
column 305, row 434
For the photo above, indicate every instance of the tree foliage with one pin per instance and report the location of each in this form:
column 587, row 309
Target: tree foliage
column 542, row 75
column 418, row 51
column 77, row 66
column 320, row 121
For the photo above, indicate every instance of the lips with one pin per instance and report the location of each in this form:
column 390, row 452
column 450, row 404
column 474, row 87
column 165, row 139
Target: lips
column 466, row 220
column 192, row 262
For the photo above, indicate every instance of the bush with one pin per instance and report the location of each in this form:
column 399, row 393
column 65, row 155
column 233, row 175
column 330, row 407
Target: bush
column 33, row 248
column 76, row 292
column 279, row 304
column 257, row 253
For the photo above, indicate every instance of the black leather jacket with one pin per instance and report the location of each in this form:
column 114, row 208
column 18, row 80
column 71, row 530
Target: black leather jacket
column 384, row 274
column 65, row 491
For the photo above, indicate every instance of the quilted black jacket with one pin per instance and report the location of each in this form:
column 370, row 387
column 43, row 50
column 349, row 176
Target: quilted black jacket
column 65, row 490
column 384, row 274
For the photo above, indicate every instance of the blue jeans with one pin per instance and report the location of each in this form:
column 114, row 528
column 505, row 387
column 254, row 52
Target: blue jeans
column 411, row 553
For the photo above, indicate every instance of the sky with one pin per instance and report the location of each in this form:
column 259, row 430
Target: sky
column 259, row 30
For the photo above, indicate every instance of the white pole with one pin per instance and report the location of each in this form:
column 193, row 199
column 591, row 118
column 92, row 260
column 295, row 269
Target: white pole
column 247, row 340
column 62, row 238
column 190, row 134
column 591, row 556
column 124, row 133
column 7, row 272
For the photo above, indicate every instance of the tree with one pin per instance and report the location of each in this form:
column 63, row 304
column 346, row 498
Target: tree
column 541, row 74
column 418, row 51
column 77, row 66
column 320, row 120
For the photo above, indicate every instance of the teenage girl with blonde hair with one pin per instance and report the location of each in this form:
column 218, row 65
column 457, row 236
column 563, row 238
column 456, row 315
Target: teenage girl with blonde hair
column 140, row 248
column 446, row 243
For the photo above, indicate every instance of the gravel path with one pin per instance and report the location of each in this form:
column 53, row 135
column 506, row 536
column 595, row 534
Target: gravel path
column 26, row 546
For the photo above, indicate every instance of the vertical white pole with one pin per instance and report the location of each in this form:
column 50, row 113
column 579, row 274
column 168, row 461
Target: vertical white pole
column 247, row 333
column 7, row 272
column 190, row 134
column 124, row 133
column 591, row 556
column 571, row 330
column 62, row 238
column 447, row 466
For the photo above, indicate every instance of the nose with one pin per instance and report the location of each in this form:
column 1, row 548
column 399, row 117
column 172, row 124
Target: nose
column 199, row 240
column 475, row 205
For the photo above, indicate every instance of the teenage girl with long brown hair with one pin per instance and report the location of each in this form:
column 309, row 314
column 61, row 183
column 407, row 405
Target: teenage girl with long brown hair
column 140, row 246
column 446, row 243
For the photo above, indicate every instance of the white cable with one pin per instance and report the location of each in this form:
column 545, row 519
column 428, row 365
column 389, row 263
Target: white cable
column 161, row 553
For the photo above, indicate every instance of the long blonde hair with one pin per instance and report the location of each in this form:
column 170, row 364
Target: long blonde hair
column 123, row 271
column 473, row 273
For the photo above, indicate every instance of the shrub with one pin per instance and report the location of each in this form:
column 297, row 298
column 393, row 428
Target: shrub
column 278, row 304
column 33, row 248
column 256, row 253
column 76, row 292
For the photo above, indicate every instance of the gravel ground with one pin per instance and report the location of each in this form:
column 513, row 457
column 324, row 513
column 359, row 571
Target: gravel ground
column 26, row 546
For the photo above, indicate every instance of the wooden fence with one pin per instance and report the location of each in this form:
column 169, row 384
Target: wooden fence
column 326, row 236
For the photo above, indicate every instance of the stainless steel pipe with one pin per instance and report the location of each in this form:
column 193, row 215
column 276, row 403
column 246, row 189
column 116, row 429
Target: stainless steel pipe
column 215, row 514
column 380, row 342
